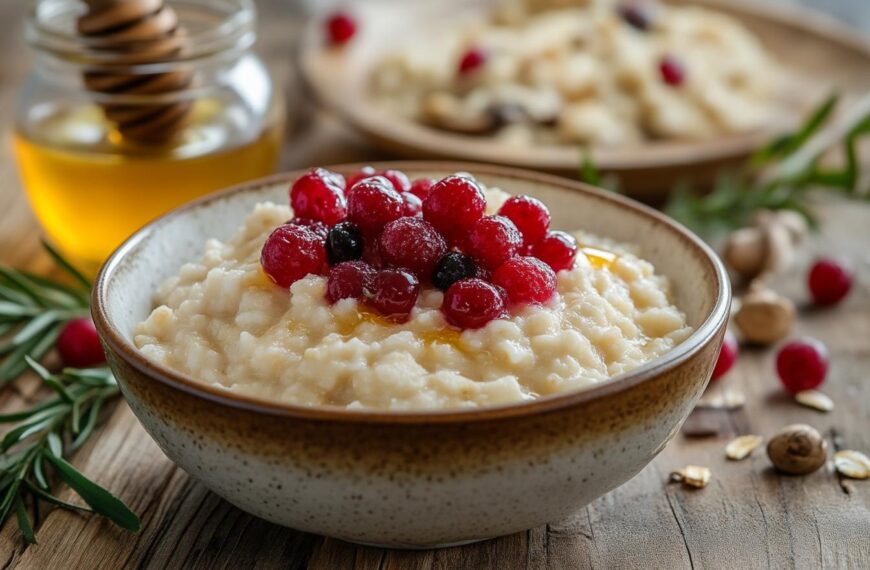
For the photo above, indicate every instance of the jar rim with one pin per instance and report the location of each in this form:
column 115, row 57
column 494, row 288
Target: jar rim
column 212, row 28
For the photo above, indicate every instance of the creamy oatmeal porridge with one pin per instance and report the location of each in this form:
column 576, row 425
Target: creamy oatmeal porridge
column 600, row 72
column 223, row 321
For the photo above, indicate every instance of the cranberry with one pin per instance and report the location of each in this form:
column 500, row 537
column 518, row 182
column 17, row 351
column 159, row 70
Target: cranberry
column 802, row 364
column 492, row 241
column 412, row 243
column 454, row 205
column 472, row 303
column 393, row 293
column 361, row 174
column 79, row 345
column 348, row 280
column 829, row 281
column 373, row 203
column 397, row 178
column 292, row 252
column 636, row 14
column 557, row 249
column 453, row 267
column 727, row 355
column 529, row 215
column 413, row 205
column 341, row 28
column 372, row 253
column 471, row 60
column 672, row 71
column 344, row 243
column 420, row 187
column 525, row 280
column 315, row 226
column 319, row 195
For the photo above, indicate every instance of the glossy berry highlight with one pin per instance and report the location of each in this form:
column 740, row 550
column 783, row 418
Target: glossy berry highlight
column 525, row 280
column 529, row 215
column 292, row 252
column 373, row 203
column 472, row 303
column 340, row 28
column 393, row 293
column 348, row 280
column 454, row 205
column 492, row 241
column 557, row 249
column 412, row 243
column 802, row 364
column 79, row 345
column 319, row 195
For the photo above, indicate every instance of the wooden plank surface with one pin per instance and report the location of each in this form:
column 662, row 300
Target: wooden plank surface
column 748, row 517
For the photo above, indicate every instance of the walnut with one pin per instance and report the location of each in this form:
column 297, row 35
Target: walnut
column 797, row 449
column 766, row 246
column 764, row 316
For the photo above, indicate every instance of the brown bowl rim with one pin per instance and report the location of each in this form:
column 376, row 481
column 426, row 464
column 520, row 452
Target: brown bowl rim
column 699, row 338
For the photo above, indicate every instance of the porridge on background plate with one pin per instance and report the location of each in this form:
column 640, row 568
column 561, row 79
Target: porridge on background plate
column 398, row 295
column 597, row 72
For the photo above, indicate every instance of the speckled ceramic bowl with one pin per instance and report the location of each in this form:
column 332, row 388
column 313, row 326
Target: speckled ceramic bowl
column 416, row 479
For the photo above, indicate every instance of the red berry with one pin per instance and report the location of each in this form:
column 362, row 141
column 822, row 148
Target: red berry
column 420, row 187
column 471, row 303
column 492, row 241
column 372, row 253
column 525, row 280
column 340, row 28
column 672, row 71
column 412, row 243
column 319, row 195
column 397, row 178
column 557, row 249
column 373, row 203
column 471, row 60
column 829, row 281
column 727, row 355
column 529, row 215
column 393, row 293
column 348, row 280
column 315, row 226
column 802, row 364
column 361, row 174
column 292, row 252
column 79, row 345
column 413, row 205
column 454, row 205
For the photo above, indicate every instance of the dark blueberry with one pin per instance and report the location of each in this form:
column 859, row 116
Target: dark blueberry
column 637, row 15
column 344, row 243
column 453, row 267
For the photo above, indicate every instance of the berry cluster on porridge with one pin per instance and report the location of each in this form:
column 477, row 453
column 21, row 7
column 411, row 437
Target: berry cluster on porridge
column 378, row 291
column 598, row 72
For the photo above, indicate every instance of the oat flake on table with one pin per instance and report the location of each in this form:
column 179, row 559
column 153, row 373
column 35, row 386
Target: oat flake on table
column 853, row 464
column 742, row 447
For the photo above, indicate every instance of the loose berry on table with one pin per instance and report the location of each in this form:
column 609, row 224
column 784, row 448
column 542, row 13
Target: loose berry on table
column 453, row 267
column 79, row 345
column 454, row 205
column 672, row 71
column 492, row 241
column 472, row 303
column 525, row 280
column 373, row 203
column 340, row 28
column 292, row 252
column 727, row 356
column 557, row 249
column 802, row 364
column 319, row 195
column 393, row 293
column 344, row 243
column 529, row 215
column 348, row 280
column 413, row 244
column 315, row 226
column 829, row 281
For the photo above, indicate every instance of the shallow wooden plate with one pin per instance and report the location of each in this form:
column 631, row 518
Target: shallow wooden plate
column 819, row 55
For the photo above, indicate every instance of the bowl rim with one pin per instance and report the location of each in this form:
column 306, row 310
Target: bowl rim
column 700, row 337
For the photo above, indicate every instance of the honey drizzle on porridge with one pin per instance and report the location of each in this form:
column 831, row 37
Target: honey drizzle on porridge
column 599, row 258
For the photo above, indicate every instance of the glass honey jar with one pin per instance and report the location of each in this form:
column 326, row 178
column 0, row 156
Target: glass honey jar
column 103, row 149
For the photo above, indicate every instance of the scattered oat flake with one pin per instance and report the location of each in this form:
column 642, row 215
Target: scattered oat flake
column 743, row 446
column 814, row 399
column 692, row 476
column 852, row 464
column 725, row 399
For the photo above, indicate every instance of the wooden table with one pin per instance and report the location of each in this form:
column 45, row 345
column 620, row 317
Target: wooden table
column 748, row 517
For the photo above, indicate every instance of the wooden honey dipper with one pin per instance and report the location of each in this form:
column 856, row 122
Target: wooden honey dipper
column 137, row 32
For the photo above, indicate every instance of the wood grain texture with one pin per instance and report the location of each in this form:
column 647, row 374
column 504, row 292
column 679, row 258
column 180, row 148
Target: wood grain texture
column 748, row 517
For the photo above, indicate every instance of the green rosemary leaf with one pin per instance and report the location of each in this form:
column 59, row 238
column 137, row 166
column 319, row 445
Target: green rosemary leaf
column 787, row 144
column 76, row 417
column 588, row 171
column 24, row 431
column 46, row 496
column 8, row 460
column 93, row 414
column 29, row 412
column 15, row 310
column 55, row 445
column 101, row 500
column 91, row 376
column 39, row 472
column 67, row 266
column 34, row 327
column 14, row 295
column 9, row 495
column 24, row 522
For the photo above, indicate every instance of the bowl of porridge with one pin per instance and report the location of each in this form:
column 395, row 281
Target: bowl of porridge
column 412, row 354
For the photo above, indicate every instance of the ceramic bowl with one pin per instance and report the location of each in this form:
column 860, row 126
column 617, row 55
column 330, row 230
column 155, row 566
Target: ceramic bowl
column 416, row 479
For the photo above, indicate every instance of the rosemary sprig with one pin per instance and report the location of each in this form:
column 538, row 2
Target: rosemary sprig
column 781, row 175
column 33, row 310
